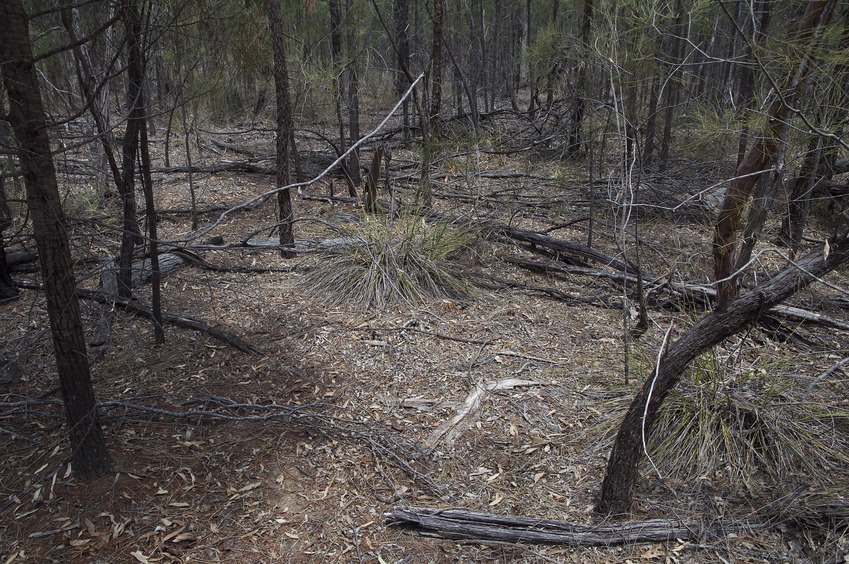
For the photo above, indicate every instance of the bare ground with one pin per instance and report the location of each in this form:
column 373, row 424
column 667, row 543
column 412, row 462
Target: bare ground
column 336, row 420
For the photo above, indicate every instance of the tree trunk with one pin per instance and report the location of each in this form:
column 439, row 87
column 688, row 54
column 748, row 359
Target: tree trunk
column 89, row 457
column 96, row 96
column 746, row 79
column 436, row 70
column 150, row 210
column 335, row 10
column 131, row 235
column 284, row 127
column 8, row 290
column 401, row 39
column 575, row 139
column 624, row 462
column 758, row 157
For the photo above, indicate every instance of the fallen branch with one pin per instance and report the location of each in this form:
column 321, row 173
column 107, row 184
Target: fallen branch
column 469, row 410
column 464, row 524
column 691, row 291
column 180, row 321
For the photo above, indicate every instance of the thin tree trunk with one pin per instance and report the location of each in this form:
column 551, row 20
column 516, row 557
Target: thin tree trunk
column 575, row 139
column 150, row 210
column 335, row 10
column 96, row 95
column 130, row 235
column 8, row 290
column 354, row 121
column 401, row 42
column 89, row 456
column 436, row 69
column 284, row 127
column 746, row 78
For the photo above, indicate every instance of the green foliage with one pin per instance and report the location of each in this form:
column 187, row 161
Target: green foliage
column 381, row 262
column 710, row 135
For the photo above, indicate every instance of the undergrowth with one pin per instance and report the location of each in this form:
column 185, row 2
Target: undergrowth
column 742, row 423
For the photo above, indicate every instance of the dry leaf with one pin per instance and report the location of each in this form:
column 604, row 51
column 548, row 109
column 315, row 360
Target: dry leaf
column 250, row 487
column 139, row 555
column 498, row 499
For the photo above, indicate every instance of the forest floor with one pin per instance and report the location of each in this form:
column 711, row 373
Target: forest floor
column 296, row 453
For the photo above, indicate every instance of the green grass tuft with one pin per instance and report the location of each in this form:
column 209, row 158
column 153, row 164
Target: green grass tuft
column 383, row 262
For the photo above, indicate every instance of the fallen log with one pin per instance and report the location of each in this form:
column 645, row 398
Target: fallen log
column 690, row 291
column 144, row 311
column 559, row 246
column 475, row 525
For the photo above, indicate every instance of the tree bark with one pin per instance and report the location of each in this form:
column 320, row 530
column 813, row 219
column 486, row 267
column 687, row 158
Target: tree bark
column 575, row 139
column 465, row 524
column 284, row 127
column 8, row 290
column 89, row 458
column 401, row 41
column 623, row 464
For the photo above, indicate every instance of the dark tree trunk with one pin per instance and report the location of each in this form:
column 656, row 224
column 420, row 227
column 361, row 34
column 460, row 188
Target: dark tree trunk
column 575, row 139
column 799, row 201
column 150, row 210
column 96, row 95
column 401, row 39
column 335, row 10
column 624, row 462
column 436, row 69
column 284, row 128
column 8, row 290
column 354, row 121
column 131, row 235
column 746, row 77
column 89, row 457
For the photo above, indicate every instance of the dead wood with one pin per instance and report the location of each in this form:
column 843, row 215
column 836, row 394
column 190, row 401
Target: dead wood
column 178, row 320
column 256, row 152
column 689, row 292
column 562, row 249
column 465, row 524
column 628, row 451
column 224, row 166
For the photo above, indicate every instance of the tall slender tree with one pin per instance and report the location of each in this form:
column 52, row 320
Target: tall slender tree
column 89, row 456
column 284, row 128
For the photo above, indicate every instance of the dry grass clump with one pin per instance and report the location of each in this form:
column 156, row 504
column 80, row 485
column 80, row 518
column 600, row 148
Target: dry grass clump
column 744, row 424
column 382, row 261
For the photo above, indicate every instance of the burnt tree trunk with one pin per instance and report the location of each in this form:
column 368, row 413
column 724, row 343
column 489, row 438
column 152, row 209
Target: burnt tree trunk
column 624, row 462
column 8, row 290
column 89, row 456
column 436, row 69
column 401, row 41
column 575, row 133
